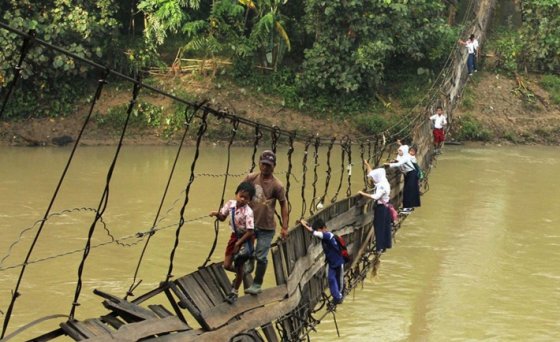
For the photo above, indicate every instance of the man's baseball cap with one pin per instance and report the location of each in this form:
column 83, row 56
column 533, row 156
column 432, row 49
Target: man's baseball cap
column 268, row 157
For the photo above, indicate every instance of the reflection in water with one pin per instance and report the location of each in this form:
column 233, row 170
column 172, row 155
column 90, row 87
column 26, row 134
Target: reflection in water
column 476, row 262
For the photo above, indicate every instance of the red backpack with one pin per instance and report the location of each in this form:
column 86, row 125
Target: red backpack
column 343, row 249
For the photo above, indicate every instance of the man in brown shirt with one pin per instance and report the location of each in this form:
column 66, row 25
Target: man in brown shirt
column 269, row 189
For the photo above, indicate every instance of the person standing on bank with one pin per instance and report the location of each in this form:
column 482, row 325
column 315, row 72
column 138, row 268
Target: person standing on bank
column 469, row 44
column 269, row 190
column 411, row 191
column 381, row 214
column 476, row 51
column 438, row 123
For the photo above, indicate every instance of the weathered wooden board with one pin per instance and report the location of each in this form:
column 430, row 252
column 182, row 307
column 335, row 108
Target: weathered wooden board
column 224, row 312
column 143, row 329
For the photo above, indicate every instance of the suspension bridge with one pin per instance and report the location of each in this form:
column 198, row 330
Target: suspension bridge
column 193, row 306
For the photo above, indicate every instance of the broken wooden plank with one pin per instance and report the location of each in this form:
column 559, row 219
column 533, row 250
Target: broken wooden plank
column 160, row 310
column 143, row 329
column 223, row 313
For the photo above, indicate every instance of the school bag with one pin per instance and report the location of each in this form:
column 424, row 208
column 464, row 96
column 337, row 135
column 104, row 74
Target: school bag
column 246, row 253
column 419, row 171
column 393, row 212
column 343, row 250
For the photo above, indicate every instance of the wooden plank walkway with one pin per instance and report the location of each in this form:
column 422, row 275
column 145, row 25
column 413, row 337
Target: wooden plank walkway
column 298, row 266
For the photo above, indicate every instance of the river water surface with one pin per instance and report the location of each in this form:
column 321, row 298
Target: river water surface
column 478, row 261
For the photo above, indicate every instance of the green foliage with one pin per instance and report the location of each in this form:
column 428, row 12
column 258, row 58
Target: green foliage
column 164, row 16
column 408, row 85
column 46, row 103
column 541, row 34
column 356, row 40
column 468, row 128
column 536, row 45
column 468, row 100
column 510, row 136
column 509, row 49
column 552, row 84
column 48, row 85
column 144, row 114
column 81, row 29
column 370, row 124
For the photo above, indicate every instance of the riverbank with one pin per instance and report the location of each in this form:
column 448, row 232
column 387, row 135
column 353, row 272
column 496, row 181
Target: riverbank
column 494, row 108
column 167, row 117
column 513, row 110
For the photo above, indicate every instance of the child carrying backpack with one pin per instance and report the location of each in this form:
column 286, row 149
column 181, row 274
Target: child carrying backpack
column 240, row 245
column 333, row 255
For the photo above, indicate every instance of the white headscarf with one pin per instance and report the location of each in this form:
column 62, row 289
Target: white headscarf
column 382, row 186
column 378, row 175
column 405, row 156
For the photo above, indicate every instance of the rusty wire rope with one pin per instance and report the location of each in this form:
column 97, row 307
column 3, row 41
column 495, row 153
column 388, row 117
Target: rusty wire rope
column 188, row 121
column 235, row 127
column 304, row 176
column 104, row 198
column 15, row 294
column 201, row 130
column 312, row 206
column 25, row 46
column 289, row 172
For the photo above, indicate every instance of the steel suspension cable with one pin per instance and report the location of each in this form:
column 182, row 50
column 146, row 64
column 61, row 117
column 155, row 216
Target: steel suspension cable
column 27, row 42
column 258, row 136
column 304, row 175
column 104, row 199
column 235, row 127
column 289, row 171
column 363, row 167
column 275, row 135
column 188, row 121
column 329, row 171
column 202, row 128
column 312, row 206
column 15, row 293
column 342, row 167
column 349, row 153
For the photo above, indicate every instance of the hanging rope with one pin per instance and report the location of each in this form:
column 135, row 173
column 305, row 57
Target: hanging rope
column 291, row 139
column 349, row 168
column 119, row 241
column 304, row 175
column 258, row 136
column 329, row 171
column 202, row 128
column 15, row 293
column 60, row 213
column 312, row 206
column 363, row 167
column 104, row 198
column 369, row 149
column 188, row 121
column 235, row 125
column 27, row 42
column 342, row 167
column 275, row 135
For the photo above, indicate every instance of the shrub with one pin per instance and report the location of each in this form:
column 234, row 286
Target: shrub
column 143, row 114
column 552, row 84
column 370, row 124
column 469, row 128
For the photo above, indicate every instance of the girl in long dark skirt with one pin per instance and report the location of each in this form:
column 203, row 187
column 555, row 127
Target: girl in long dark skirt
column 382, row 217
column 411, row 189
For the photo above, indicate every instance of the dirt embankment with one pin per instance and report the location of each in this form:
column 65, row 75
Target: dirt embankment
column 264, row 109
column 508, row 109
column 511, row 109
